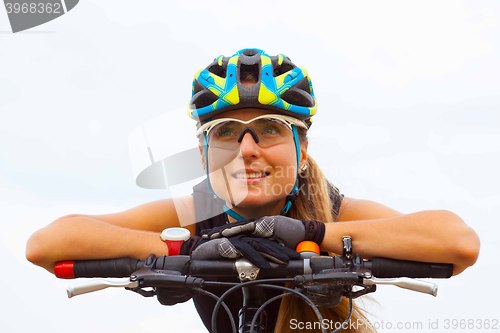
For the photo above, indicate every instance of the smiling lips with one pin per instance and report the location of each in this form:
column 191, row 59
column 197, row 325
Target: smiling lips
column 250, row 175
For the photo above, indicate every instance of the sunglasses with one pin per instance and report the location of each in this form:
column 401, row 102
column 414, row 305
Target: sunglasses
column 266, row 130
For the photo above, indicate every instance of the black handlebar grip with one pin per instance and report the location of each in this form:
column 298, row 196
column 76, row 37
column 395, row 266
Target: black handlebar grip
column 391, row 268
column 178, row 263
column 121, row 267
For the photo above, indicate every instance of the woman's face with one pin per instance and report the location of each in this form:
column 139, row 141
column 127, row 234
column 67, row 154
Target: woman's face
column 252, row 176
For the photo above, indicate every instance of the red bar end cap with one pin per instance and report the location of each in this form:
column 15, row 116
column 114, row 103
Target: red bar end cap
column 64, row 269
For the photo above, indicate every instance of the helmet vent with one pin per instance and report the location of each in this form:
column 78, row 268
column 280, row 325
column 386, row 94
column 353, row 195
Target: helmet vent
column 217, row 70
column 285, row 67
column 197, row 87
column 250, row 52
column 300, row 94
column 249, row 73
column 204, row 98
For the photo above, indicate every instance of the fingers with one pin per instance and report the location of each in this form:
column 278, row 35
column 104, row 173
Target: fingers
column 216, row 249
column 250, row 253
column 247, row 228
column 228, row 250
column 259, row 251
column 277, row 253
column 265, row 226
column 229, row 230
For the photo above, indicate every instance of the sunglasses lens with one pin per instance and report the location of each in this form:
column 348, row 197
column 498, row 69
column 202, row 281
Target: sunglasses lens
column 270, row 132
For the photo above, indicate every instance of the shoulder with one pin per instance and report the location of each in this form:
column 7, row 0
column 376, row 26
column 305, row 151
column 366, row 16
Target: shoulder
column 352, row 209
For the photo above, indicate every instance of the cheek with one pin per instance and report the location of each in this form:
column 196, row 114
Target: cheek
column 220, row 159
column 284, row 164
column 283, row 155
column 221, row 166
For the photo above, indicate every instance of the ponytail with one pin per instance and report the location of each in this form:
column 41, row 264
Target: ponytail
column 318, row 200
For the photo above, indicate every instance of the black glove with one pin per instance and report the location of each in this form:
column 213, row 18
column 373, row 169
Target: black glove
column 287, row 230
column 255, row 249
column 169, row 295
column 172, row 296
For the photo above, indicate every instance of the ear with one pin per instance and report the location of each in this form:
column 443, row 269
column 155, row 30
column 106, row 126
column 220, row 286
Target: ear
column 303, row 152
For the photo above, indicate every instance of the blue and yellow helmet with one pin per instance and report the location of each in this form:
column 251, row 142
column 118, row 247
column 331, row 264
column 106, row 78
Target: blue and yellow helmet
column 252, row 78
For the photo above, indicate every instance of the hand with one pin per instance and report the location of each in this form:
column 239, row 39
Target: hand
column 257, row 250
column 287, row 230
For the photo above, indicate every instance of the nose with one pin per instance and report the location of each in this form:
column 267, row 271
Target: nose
column 248, row 146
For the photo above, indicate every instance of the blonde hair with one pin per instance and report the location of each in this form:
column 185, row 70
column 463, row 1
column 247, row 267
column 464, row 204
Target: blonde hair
column 316, row 201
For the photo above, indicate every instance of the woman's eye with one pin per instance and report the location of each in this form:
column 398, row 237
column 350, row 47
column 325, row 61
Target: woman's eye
column 271, row 130
column 224, row 132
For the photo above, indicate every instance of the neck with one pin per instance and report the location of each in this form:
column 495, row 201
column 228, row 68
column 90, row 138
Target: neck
column 273, row 208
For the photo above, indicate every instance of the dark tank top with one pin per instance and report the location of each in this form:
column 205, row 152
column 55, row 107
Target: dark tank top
column 210, row 213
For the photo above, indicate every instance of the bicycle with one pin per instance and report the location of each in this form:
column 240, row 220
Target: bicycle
column 317, row 279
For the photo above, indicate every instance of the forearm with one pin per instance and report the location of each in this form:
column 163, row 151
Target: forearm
column 429, row 236
column 83, row 237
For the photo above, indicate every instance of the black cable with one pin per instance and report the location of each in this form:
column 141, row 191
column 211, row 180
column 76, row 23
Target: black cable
column 346, row 321
column 295, row 293
column 236, row 287
column 269, row 301
column 265, row 284
column 216, row 298
column 219, row 284
column 261, row 308
column 262, row 285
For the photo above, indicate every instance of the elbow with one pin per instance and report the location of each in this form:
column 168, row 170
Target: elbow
column 467, row 250
column 466, row 253
column 35, row 252
column 41, row 248
column 465, row 243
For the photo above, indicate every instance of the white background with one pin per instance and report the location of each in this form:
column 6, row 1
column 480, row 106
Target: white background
column 409, row 101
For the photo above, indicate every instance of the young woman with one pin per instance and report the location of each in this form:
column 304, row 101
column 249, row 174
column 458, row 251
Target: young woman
column 253, row 112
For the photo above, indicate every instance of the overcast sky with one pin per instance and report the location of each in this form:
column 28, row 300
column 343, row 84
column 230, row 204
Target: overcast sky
column 409, row 101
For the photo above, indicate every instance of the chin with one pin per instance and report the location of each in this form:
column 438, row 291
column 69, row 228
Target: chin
column 258, row 201
column 253, row 196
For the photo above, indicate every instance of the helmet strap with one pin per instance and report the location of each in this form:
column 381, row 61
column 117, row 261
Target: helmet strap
column 205, row 152
column 290, row 198
column 233, row 214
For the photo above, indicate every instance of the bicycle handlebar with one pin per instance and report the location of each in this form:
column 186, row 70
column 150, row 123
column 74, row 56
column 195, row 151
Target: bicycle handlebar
column 322, row 280
column 379, row 267
column 388, row 268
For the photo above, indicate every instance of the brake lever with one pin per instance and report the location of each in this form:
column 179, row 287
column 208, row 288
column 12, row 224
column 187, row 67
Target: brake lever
column 100, row 284
column 406, row 283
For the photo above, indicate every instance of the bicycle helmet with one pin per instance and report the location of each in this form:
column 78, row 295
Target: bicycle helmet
column 278, row 85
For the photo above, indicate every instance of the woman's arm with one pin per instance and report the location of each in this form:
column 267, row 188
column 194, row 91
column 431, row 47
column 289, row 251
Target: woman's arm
column 132, row 233
column 379, row 231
